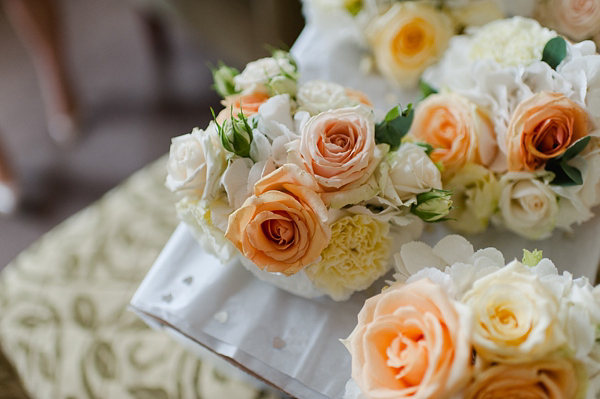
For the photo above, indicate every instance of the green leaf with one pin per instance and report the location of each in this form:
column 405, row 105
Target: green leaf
column 394, row 127
column 576, row 148
column 428, row 148
column 554, row 52
column 573, row 173
column 426, row 89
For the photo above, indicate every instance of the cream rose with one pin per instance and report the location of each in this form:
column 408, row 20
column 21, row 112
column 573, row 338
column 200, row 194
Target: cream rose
column 515, row 316
column 337, row 147
column 475, row 198
column 407, row 172
column 318, row 96
column 411, row 341
column 577, row 19
column 552, row 378
column 283, row 227
column 196, row 163
column 356, row 256
column 458, row 130
column 257, row 74
column 541, row 128
column 408, row 38
column 527, row 205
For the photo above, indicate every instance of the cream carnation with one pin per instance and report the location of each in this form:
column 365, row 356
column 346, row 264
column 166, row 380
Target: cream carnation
column 356, row 256
column 475, row 198
column 510, row 42
column 515, row 316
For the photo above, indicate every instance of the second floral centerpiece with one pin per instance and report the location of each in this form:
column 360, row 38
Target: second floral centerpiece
column 301, row 184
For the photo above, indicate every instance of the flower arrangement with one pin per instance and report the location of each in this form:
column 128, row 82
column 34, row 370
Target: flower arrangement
column 300, row 183
column 462, row 324
column 513, row 120
column 405, row 37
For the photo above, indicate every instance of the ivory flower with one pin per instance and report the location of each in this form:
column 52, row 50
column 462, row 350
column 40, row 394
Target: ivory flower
column 196, row 162
column 543, row 127
column 458, row 130
column 318, row 96
column 475, row 194
column 411, row 341
column 283, row 227
column 408, row 38
column 527, row 205
column 515, row 316
column 407, row 172
column 356, row 256
column 257, row 74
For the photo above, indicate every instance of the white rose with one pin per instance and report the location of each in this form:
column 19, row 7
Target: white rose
column 527, row 205
column 318, row 96
column 257, row 74
column 207, row 222
column 275, row 116
column 407, row 172
column 510, row 42
column 240, row 177
column 475, row 198
column 196, row 163
column 515, row 316
column 408, row 38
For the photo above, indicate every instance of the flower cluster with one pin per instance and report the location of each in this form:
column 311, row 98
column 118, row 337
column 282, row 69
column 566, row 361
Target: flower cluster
column 405, row 37
column 301, row 181
column 514, row 121
column 462, row 324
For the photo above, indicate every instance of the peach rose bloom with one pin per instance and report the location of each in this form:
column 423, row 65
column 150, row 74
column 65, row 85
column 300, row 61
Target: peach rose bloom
column 337, row 147
column 459, row 131
column 411, row 341
column 246, row 103
column 541, row 128
column 283, row 227
column 577, row 19
column 359, row 97
column 545, row 379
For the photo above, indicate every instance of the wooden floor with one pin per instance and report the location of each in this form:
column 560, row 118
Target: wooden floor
column 126, row 122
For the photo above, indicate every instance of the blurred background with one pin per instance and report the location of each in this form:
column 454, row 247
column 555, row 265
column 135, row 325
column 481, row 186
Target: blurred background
column 92, row 91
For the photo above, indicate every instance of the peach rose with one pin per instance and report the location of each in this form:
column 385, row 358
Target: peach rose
column 337, row 147
column 283, row 227
column 541, row 128
column 545, row 379
column 458, row 130
column 577, row 19
column 359, row 96
column 246, row 103
column 411, row 341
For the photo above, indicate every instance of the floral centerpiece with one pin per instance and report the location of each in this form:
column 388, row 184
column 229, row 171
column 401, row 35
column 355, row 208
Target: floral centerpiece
column 462, row 324
column 513, row 120
column 405, row 37
column 300, row 183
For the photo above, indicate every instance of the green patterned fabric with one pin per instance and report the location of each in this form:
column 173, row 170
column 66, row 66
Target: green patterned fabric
column 64, row 323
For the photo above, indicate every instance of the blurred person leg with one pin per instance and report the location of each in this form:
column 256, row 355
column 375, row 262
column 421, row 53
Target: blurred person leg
column 38, row 24
column 9, row 193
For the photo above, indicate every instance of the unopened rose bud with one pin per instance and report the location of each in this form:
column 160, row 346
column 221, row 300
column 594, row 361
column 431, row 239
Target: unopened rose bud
column 223, row 80
column 433, row 206
column 283, row 85
column 236, row 135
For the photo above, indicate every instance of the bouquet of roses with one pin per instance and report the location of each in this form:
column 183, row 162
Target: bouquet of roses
column 515, row 127
column 461, row 324
column 405, row 37
column 301, row 182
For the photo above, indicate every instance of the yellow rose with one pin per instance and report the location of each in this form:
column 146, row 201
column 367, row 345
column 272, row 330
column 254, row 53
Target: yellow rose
column 515, row 316
column 475, row 193
column 283, row 227
column 554, row 378
column 356, row 256
column 408, row 38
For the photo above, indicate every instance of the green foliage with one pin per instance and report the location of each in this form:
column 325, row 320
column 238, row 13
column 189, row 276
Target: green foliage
column 394, row 127
column 554, row 52
column 565, row 174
